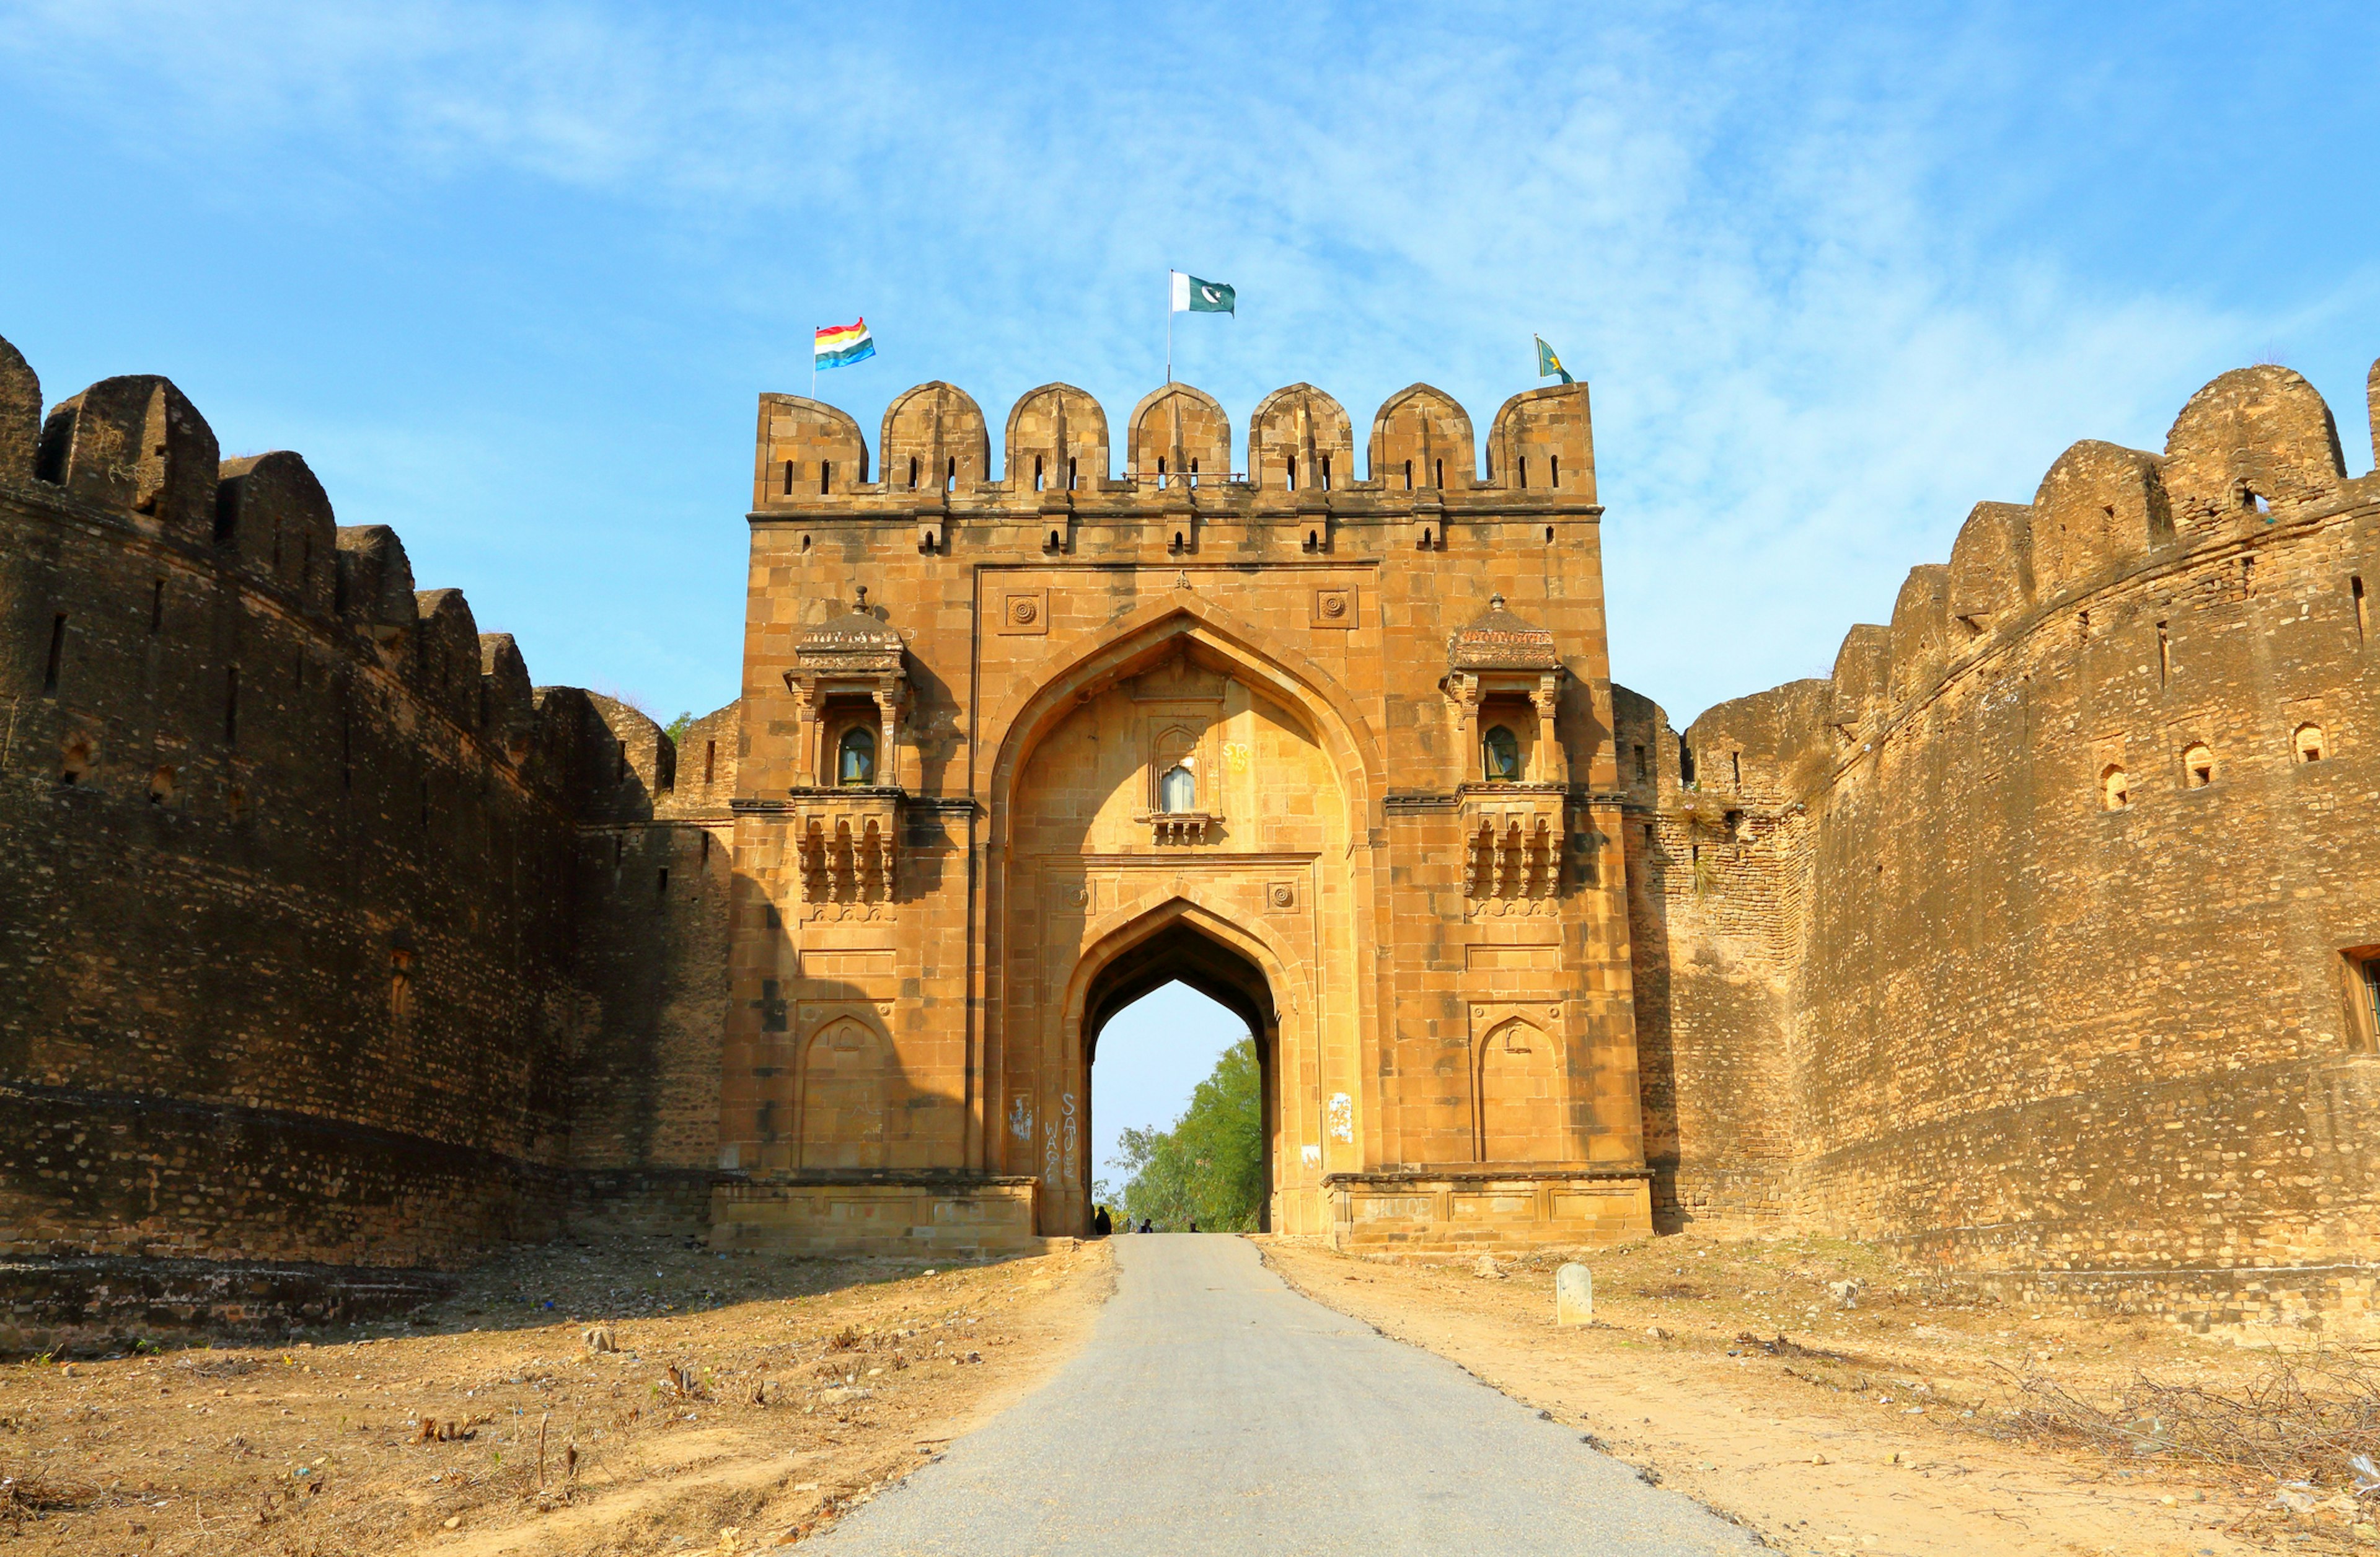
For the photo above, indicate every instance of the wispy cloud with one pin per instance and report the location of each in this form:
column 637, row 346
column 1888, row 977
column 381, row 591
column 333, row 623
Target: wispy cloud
column 1811, row 260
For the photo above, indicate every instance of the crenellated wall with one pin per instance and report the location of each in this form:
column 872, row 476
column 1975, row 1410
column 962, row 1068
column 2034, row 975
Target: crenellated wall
column 302, row 957
column 2031, row 940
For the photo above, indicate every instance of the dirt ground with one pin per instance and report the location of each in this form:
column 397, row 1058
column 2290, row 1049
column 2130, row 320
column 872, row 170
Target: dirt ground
column 1914, row 1423
column 748, row 1401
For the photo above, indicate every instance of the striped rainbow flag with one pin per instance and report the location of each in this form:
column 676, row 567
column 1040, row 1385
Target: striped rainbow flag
column 839, row 345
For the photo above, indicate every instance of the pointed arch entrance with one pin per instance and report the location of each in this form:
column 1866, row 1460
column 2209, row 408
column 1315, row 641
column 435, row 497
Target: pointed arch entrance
column 1178, row 804
column 1180, row 942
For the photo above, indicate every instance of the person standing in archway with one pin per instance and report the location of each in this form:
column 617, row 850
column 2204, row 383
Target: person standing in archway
column 1102, row 1224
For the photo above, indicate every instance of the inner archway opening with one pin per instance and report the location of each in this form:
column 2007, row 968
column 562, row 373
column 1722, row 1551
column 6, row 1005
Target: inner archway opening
column 1169, row 1010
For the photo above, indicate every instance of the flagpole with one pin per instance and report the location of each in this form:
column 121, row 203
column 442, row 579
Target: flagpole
column 1168, row 327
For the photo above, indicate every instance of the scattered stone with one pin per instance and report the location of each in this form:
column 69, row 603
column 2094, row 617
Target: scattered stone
column 599, row 1339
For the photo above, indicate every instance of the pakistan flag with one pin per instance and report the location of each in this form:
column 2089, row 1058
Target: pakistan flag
column 1194, row 296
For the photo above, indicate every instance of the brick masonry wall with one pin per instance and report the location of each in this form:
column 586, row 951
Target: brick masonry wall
column 2045, row 910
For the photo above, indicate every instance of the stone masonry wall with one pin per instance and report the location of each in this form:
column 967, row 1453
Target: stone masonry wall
column 2032, row 940
column 296, row 867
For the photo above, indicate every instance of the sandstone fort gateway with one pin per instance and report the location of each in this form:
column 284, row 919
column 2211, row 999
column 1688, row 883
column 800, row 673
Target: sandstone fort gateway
column 2041, row 941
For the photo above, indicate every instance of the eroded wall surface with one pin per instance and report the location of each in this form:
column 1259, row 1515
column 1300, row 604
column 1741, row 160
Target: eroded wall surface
column 318, row 915
column 2033, row 940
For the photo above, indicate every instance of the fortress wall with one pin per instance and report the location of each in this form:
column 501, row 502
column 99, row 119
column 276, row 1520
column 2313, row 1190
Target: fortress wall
column 292, row 859
column 654, row 882
column 2065, row 980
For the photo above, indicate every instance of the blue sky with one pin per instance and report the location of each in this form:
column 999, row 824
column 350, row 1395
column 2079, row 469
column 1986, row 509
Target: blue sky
column 510, row 276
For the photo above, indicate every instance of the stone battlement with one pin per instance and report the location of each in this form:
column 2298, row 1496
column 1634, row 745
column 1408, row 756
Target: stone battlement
column 308, row 957
column 1298, row 477
column 2036, row 937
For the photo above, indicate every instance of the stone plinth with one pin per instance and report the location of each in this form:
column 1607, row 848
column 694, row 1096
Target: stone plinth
column 888, row 1214
column 1490, row 1208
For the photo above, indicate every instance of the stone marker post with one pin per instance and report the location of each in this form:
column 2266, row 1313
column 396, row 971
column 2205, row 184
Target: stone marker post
column 1574, row 1295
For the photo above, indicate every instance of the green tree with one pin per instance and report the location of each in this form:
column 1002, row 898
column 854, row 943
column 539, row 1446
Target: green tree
column 1209, row 1167
column 676, row 729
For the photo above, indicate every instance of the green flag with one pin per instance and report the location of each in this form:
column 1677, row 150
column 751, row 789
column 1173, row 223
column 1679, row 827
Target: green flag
column 1194, row 296
column 1549, row 364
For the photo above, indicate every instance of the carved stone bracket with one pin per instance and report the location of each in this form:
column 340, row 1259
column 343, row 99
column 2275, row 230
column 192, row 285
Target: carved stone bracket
column 1181, row 827
column 847, row 843
column 1512, row 842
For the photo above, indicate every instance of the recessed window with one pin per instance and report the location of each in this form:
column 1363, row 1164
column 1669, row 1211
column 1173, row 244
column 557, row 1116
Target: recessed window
column 1177, row 791
column 2197, row 766
column 1554, row 460
column 400, row 986
column 1291, row 469
column 58, row 653
column 2361, row 985
column 912, row 472
column 1640, row 771
column 160, row 787
column 2310, row 743
column 1325, row 472
column 2115, row 788
column 1500, row 754
column 855, row 756
column 709, row 761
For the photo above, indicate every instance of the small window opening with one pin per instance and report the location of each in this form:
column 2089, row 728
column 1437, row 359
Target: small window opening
column 1685, row 763
column 160, row 787
column 1500, row 756
column 1036, row 472
column 1177, row 792
column 789, row 478
column 2355, row 588
column 912, row 472
column 400, row 985
column 1438, row 473
column 1648, row 837
column 1194, row 472
column 706, row 847
column 157, row 608
column 2311, row 745
column 1549, row 535
column 826, row 475
column 1160, row 466
column 1735, row 761
column 1314, row 540
column 231, row 706
column 1293, row 472
column 660, row 883
column 74, row 759
column 1640, row 770
column 1071, row 481
column 856, row 762
column 2115, row 788
column 2165, row 655
column 57, row 653
column 951, row 477
column 1555, row 460
column 1053, row 544
column 621, row 776
column 1520, row 472
column 2364, row 999
column 805, row 543
column 1325, row 472
column 2197, row 766
column 1408, row 475
column 709, row 763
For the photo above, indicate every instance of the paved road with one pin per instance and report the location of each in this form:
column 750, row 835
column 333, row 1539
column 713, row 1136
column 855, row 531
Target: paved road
column 1214, row 1410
